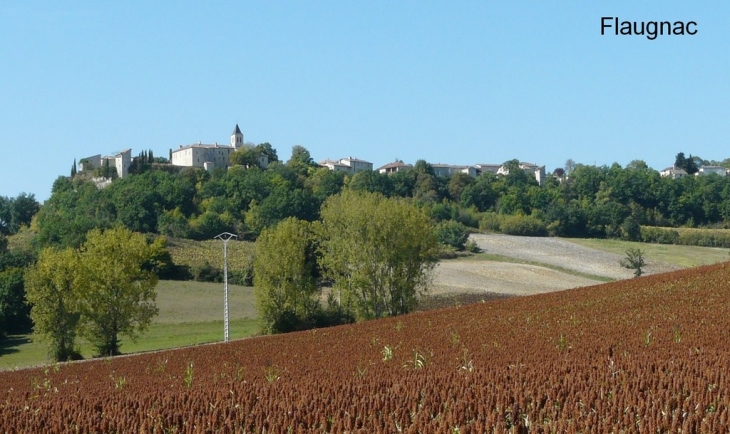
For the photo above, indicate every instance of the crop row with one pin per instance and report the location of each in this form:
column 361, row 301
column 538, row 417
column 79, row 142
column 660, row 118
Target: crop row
column 646, row 354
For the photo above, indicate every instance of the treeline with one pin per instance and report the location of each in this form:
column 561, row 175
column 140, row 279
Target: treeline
column 587, row 202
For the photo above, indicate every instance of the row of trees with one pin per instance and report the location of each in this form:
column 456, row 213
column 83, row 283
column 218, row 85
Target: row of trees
column 376, row 254
column 100, row 291
column 590, row 202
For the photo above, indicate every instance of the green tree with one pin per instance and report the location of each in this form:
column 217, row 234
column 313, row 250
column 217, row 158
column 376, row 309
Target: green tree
column 378, row 252
column 371, row 181
column 688, row 164
column 634, row 260
column 51, row 290
column 284, row 283
column 324, row 183
column 457, row 183
column 452, row 233
column 247, row 156
column 116, row 287
column 300, row 154
column 268, row 150
column 13, row 308
column 17, row 212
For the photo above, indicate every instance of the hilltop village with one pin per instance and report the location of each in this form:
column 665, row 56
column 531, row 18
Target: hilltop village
column 210, row 156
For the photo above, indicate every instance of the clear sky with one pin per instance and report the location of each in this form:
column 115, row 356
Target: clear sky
column 460, row 82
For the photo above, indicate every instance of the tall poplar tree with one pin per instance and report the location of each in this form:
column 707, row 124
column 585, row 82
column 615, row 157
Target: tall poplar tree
column 284, row 284
column 51, row 286
column 117, row 289
column 379, row 252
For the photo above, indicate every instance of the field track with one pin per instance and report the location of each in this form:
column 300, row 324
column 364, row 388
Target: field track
column 637, row 355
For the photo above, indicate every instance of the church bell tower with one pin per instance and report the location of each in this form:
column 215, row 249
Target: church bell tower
column 237, row 138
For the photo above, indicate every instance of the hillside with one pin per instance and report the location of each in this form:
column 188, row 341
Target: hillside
column 646, row 354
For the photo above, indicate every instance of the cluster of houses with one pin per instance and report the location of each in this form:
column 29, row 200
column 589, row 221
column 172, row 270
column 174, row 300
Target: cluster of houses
column 676, row 173
column 211, row 156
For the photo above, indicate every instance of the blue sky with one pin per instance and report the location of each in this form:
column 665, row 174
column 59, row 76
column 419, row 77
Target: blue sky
column 451, row 82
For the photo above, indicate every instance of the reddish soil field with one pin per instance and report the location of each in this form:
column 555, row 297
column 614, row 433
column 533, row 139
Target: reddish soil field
column 640, row 355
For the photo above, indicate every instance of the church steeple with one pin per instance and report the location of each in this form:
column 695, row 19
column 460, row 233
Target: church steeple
column 237, row 138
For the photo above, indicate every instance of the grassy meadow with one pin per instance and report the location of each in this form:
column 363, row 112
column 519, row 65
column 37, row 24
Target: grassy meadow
column 191, row 313
column 683, row 256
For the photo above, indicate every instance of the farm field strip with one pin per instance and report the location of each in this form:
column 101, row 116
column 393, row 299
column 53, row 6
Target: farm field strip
column 647, row 354
column 678, row 255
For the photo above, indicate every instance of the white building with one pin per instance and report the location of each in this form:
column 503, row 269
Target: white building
column 210, row 156
column 357, row 165
column 334, row 165
column 708, row 170
column 120, row 160
column 673, row 173
column 350, row 164
column 395, row 166
column 530, row 168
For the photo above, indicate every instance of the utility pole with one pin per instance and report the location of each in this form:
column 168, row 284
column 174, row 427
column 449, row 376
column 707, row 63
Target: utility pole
column 225, row 237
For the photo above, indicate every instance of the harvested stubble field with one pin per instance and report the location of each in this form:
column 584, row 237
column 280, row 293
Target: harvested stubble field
column 539, row 264
column 638, row 355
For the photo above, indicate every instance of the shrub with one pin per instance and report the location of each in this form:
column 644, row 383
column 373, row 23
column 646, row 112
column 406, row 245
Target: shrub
column 452, row 233
column 630, row 229
column 471, row 246
column 447, row 252
column 468, row 217
column 659, row 235
column 207, row 273
column 687, row 237
column 523, row 226
column 490, row 222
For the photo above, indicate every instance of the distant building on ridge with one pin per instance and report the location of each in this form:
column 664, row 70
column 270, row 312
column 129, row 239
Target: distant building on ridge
column 211, row 156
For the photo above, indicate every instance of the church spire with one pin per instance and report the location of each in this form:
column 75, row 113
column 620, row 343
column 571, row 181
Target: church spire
column 237, row 138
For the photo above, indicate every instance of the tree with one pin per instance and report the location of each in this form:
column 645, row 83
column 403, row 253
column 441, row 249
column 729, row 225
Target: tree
column 51, row 288
column 637, row 164
column 268, row 150
column 13, row 308
column 634, row 260
column 17, row 212
column 247, row 156
column 457, row 183
column 688, row 164
column 284, row 283
column 569, row 166
column 378, row 252
column 116, row 287
column 300, row 154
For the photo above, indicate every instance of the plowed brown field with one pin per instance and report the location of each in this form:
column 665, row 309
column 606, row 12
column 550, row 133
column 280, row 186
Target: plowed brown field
column 639, row 355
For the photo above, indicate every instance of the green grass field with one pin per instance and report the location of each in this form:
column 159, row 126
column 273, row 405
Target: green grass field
column 683, row 256
column 191, row 313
